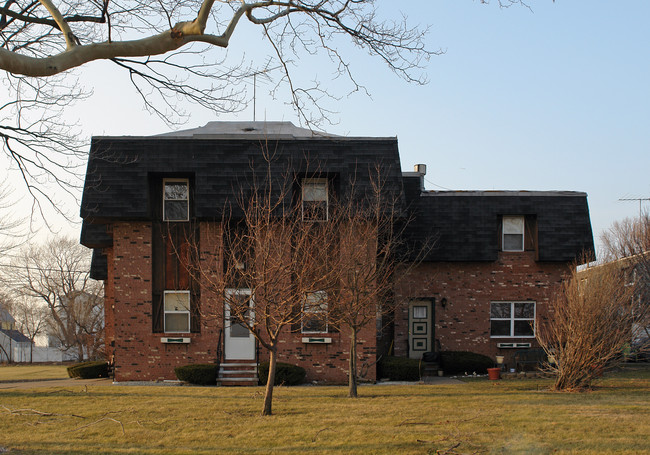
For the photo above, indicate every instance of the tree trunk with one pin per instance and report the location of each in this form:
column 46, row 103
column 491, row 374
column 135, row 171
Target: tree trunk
column 268, row 395
column 352, row 365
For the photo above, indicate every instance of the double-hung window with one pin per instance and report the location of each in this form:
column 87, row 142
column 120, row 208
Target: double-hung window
column 176, row 200
column 513, row 233
column 512, row 319
column 177, row 311
column 314, row 312
column 314, row 200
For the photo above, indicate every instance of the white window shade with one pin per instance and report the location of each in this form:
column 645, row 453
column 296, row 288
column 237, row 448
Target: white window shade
column 177, row 311
column 513, row 233
column 314, row 200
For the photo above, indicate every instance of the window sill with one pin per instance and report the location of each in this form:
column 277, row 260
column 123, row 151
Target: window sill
column 175, row 340
column 316, row 340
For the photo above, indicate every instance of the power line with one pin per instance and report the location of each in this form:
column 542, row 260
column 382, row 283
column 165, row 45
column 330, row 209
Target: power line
column 43, row 269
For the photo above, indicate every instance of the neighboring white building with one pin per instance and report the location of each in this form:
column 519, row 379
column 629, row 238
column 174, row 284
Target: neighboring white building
column 16, row 347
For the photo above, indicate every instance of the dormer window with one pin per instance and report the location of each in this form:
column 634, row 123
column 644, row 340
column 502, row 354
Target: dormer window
column 314, row 200
column 176, row 200
column 513, row 233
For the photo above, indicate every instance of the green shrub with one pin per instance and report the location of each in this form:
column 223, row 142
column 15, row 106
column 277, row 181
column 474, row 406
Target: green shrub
column 399, row 369
column 460, row 362
column 285, row 373
column 200, row 374
column 89, row 370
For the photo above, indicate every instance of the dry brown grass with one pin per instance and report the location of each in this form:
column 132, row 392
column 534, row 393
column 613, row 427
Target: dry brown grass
column 477, row 417
column 32, row 372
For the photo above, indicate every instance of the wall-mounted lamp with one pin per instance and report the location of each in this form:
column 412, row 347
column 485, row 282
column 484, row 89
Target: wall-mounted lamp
column 443, row 302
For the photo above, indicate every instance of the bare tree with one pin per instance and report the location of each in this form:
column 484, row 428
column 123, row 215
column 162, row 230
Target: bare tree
column 627, row 243
column 12, row 229
column 269, row 262
column 32, row 318
column 590, row 320
column 174, row 51
column 58, row 273
column 369, row 259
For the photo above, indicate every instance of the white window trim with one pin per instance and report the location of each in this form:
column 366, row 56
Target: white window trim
column 302, row 198
column 512, row 318
column 187, row 184
column 523, row 233
column 165, row 312
column 320, row 310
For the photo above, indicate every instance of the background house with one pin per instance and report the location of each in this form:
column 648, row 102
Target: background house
column 495, row 260
column 13, row 344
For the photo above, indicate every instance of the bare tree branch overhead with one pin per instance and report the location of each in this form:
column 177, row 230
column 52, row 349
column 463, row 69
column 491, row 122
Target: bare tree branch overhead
column 175, row 55
column 41, row 39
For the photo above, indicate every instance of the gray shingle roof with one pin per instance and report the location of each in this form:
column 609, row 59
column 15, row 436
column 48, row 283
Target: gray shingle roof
column 464, row 225
column 16, row 336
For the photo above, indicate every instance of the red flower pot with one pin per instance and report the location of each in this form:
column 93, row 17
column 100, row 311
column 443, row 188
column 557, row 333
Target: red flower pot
column 494, row 373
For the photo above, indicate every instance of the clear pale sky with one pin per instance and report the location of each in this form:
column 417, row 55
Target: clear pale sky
column 557, row 98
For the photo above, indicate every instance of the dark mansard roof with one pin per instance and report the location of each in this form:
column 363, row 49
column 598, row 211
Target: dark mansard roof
column 222, row 158
column 464, row 225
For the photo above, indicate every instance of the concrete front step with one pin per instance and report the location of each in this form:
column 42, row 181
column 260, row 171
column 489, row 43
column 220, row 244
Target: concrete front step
column 238, row 373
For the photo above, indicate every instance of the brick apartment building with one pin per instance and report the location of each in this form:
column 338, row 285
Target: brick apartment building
column 495, row 260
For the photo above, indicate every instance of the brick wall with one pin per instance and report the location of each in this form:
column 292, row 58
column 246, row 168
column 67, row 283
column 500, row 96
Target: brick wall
column 109, row 306
column 469, row 287
column 328, row 363
column 139, row 353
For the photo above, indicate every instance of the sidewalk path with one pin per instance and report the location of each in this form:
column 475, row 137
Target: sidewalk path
column 69, row 382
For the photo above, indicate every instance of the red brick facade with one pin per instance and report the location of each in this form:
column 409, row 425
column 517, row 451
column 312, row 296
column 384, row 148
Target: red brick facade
column 138, row 353
column 463, row 323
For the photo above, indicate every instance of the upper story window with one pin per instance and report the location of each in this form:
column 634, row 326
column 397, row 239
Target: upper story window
column 176, row 200
column 314, row 200
column 513, row 233
column 314, row 312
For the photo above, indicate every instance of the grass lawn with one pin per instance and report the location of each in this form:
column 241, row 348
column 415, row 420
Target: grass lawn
column 32, row 372
column 480, row 416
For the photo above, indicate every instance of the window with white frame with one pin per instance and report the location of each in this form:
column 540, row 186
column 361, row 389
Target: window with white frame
column 513, row 233
column 314, row 312
column 512, row 319
column 177, row 311
column 314, row 200
column 176, row 200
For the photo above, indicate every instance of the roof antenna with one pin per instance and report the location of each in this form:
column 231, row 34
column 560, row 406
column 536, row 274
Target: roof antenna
column 262, row 72
column 636, row 199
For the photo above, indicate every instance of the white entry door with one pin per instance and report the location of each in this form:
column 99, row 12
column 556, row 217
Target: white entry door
column 420, row 328
column 239, row 342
